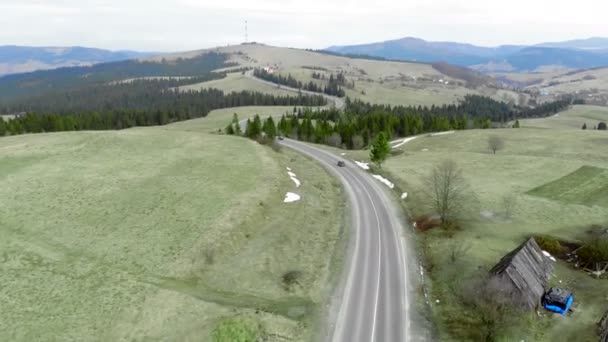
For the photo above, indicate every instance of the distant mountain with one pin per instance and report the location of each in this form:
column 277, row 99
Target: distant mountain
column 595, row 43
column 576, row 54
column 18, row 59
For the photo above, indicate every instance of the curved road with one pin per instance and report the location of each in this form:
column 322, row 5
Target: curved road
column 338, row 102
column 374, row 304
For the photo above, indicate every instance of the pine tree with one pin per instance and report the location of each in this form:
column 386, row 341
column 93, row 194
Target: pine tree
column 516, row 124
column 270, row 129
column 256, row 128
column 229, row 129
column 236, row 124
column 2, row 127
column 380, row 149
column 585, row 126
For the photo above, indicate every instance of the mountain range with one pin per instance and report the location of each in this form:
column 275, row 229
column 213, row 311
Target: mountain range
column 567, row 55
column 19, row 59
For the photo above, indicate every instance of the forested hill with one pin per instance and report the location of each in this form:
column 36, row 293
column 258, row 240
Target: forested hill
column 20, row 86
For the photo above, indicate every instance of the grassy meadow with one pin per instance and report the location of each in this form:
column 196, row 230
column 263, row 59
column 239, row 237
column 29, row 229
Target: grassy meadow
column 558, row 178
column 162, row 233
column 573, row 118
column 238, row 82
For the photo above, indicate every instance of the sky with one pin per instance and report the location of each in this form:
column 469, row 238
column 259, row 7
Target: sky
column 180, row 25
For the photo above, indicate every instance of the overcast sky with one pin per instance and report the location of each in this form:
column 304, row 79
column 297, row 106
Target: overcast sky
column 161, row 25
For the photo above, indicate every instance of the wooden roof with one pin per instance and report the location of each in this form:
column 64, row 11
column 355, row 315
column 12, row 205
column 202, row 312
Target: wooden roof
column 527, row 270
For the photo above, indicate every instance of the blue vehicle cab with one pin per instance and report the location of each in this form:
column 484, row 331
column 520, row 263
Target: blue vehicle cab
column 558, row 300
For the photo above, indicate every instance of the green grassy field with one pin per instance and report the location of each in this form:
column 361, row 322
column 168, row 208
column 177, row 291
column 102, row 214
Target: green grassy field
column 238, row 82
column 573, row 118
column 567, row 168
column 587, row 186
column 161, row 233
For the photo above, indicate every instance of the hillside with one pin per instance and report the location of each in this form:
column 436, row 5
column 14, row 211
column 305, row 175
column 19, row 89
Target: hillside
column 590, row 85
column 155, row 234
column 573, row 118
column 377, row 81
column 19, row 59
column 579, row 54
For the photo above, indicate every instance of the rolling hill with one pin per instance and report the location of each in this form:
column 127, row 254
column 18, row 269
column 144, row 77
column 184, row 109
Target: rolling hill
column 377, row 81
column 19, row 59
column 577, row 54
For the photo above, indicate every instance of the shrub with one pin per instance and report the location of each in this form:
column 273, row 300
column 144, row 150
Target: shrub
column 291, row 278
column 602, row 126
column 594, row 253
column 550, row 244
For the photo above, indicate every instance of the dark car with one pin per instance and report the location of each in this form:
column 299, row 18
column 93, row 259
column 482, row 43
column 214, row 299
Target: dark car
column 281, row 138
column 341, row 163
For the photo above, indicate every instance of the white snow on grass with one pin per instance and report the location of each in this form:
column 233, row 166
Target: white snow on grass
column 442, row 133
column 385, row 181
column 405, row 141
column 288, row 169
column 294, row 179
column 342, row 154
column 548, row 255
column 404, row 195
column 425, row 150
column 290, row 197
column 364, row 166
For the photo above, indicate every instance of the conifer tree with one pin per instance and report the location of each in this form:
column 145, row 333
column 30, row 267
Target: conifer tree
column 380, row 149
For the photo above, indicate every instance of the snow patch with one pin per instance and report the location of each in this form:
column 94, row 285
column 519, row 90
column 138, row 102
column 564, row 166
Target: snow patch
column 385, row 181
column 291, row 197
column 288, row 169
column 548, row 255
column 342, row 154
column 404, row 195
column 405, row 141
column 364, row 166
column 442, row 133
column 294, row 179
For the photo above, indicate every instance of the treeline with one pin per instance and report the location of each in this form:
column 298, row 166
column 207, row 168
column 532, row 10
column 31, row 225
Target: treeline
column 131, row 110
column 151, row 95
column 333, row 86
column 22, row 86
column 360, row 123
column 548, row 108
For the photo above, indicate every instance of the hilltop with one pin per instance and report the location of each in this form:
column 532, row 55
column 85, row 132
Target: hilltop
column 19, row 59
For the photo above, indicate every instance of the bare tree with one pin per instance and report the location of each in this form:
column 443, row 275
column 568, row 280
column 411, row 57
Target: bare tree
column 448, row 191
column 495, row 143
column 358, row 142
column 335, row 140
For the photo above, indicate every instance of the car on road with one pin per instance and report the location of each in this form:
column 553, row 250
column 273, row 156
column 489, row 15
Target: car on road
column 341, row 163
column 281, row 138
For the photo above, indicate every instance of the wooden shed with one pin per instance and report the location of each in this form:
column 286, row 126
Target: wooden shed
column 602, row 328
column 525, row 271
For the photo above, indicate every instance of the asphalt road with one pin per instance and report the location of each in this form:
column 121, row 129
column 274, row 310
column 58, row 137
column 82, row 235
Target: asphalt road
column 374, row 303
column 338, row 102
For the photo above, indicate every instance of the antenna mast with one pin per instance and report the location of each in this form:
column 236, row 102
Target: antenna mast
column 246, row 33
